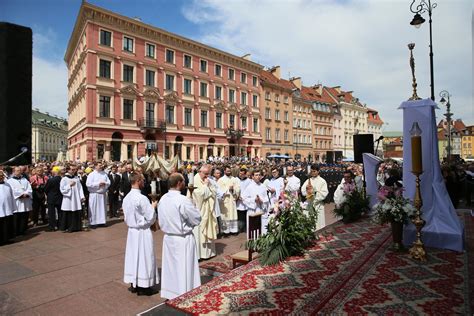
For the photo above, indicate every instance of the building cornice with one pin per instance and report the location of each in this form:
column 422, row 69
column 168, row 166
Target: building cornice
column 100, row 16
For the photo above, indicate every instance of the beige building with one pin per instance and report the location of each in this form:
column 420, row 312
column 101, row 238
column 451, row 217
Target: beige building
column 354, row 117
column 322, row 121
column 277, row 113
column 302, row 123
column 49, row 136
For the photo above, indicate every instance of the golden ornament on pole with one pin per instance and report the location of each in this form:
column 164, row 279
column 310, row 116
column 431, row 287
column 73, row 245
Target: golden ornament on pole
column 417, row 251
column 412, row 66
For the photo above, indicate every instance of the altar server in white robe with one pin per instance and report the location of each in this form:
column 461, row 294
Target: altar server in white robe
column 140, row 268
column 22, row 192
column 177, row 217
column 204, row 195
column 73, row 196
column 319, row 190
column 256, row 199
column 293, row 183
column 231, row 188
column 98, row 183
column 7, row 207
column 275, row 186
column 241, row 207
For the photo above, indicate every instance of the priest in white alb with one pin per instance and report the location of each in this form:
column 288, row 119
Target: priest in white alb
column 140, row 268
column 7, row 207
column 22, row 192
column 98, row 183
column 177, row 217
column 319, row 190
column 256, row 199
column 275, row 186
column 204, row 196
column 231, row 187
column 293, row 183
column 73, row 196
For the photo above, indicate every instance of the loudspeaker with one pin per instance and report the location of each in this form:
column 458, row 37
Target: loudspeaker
column 329, row 157
column 16, row 48
column 338, row 156
column 363, row 143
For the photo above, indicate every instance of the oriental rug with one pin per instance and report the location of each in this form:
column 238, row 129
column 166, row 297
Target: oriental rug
column 221, row 265
column 350, row 271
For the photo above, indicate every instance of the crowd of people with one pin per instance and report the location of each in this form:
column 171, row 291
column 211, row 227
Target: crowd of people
column 198, row 203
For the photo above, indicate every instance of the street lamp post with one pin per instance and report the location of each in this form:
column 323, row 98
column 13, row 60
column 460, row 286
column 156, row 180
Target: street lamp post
column 234, row 135
column 445, row 101
column 296, row 143
column 421, row 8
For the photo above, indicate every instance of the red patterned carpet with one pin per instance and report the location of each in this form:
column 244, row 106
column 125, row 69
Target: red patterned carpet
column 223, row 265
column 352, row 271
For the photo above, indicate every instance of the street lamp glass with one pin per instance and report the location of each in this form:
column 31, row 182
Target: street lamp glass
column 417, row 21
column 443, row 100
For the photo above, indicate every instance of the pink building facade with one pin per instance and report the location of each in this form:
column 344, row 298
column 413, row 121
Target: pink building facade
column 134, row 88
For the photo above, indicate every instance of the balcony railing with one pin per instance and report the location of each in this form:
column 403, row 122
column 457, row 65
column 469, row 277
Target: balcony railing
column 146, row 124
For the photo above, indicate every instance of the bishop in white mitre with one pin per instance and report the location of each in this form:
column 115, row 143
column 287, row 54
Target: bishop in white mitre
column 140, row 268
column 231, row 187
column 204, row 195
column 319, row 191
column 7, row 207
column 97, row 183
column 257, row 201
column 73, row 196
column 178, row 216
column 22, row 192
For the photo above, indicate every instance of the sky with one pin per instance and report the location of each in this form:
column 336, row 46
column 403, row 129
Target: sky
column 360, row 45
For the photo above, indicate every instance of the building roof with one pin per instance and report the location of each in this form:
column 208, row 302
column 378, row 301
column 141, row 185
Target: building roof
column 268, row 77
column 316, row 94
column 373, row 117
column 344, row 96
column 459, row 125
column 45, row 119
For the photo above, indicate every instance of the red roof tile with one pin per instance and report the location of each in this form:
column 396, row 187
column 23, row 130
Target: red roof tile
column 312, row 94
column 268, row 77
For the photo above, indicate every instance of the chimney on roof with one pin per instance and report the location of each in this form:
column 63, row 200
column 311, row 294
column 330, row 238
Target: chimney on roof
column 136, row 18
column 246, row 57
column 296, row 81
column 318, row 88
column 276, row 72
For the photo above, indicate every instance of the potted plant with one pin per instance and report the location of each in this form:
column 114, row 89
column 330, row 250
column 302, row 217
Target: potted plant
column 393, row 208
column 351, row 202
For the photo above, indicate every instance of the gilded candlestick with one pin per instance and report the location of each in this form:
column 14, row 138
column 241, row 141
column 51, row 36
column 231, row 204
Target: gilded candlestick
column 417, row 251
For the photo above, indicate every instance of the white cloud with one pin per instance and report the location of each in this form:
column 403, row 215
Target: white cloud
column 49, row 75
column 360, row 45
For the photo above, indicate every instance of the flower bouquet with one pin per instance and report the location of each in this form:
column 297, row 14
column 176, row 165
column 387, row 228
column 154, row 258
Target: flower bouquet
column 291, row 229
column 354, row 203
column 392, row 206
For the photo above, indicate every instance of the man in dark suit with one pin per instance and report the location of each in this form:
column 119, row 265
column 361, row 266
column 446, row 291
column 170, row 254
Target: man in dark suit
column 114, row 189
column 125, row 185
column 54, row 198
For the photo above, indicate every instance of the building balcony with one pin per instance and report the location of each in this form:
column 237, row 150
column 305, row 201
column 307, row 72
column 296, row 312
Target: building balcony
column 151, row 125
